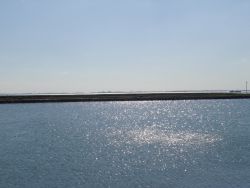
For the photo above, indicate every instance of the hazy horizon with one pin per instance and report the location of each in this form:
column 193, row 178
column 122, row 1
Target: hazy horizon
column 134, row 45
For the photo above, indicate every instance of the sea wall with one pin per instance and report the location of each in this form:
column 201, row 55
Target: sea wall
column 119, row 97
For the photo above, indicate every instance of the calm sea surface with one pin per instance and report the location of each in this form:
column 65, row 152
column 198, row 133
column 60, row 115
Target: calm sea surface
column 184, row 144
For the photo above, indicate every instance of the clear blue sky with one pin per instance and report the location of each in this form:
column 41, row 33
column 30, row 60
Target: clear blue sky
column 123, row 45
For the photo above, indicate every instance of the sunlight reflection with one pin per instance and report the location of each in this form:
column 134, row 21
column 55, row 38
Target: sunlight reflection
column 153, row 135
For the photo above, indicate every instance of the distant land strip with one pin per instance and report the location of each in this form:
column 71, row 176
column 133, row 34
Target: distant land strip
column 119, row 97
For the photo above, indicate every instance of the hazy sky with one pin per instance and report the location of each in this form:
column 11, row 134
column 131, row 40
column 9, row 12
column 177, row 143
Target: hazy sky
column 123, row 45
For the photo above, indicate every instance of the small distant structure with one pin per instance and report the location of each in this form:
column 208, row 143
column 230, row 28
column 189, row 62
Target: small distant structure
column 235, row 91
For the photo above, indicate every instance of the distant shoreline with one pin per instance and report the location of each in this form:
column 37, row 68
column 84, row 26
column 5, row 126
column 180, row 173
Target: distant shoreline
column 118, row 97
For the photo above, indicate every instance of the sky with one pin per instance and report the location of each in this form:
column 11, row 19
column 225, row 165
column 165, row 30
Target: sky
column 54, row 46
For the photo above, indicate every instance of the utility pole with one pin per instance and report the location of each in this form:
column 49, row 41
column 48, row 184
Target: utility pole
column 246, row 86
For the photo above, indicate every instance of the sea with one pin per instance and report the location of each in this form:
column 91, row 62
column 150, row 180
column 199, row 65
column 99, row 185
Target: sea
column 169, row 144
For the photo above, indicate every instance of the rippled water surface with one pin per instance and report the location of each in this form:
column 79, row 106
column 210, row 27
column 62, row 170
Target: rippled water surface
column 126, row 144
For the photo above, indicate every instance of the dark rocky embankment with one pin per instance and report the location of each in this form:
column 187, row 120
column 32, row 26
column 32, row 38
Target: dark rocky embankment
column 119, row 97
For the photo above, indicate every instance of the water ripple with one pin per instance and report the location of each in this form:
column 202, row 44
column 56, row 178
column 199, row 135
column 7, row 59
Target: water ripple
column 152, row 135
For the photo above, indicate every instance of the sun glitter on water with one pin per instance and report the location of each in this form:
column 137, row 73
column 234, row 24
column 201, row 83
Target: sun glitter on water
column 149, row 135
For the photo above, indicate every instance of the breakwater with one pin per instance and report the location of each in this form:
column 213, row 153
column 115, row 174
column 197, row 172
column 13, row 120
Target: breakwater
column 119, row 97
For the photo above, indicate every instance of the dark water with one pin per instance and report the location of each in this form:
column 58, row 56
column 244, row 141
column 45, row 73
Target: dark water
column 126, row 144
